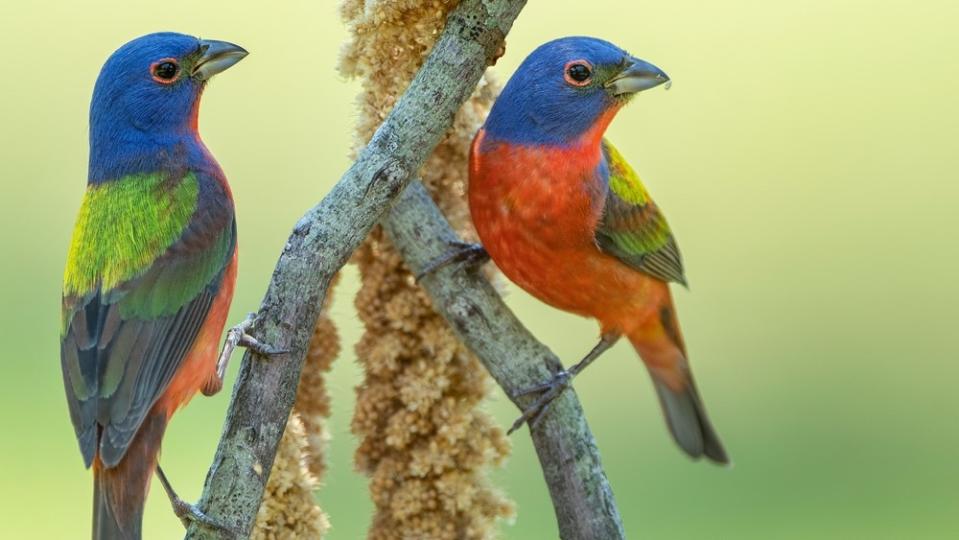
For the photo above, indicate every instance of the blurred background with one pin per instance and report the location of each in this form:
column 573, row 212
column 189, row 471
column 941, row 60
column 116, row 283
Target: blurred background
column 806, row 157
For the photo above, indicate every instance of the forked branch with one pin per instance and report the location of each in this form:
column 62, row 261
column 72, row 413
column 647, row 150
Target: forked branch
column 321, row 243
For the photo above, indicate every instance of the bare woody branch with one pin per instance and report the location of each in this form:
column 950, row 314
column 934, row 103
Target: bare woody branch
column 567, row 452
column 320, row 245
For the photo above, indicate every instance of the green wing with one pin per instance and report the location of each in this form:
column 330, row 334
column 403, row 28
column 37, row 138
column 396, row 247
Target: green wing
column 144, row 267
column 632, row 227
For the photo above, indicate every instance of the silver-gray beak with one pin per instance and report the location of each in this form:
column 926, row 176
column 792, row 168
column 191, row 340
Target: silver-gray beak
column 216, row 56
column 638, row 75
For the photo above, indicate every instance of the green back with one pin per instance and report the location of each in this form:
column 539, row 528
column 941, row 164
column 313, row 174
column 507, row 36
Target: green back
column 124, row 225
column 122, row 228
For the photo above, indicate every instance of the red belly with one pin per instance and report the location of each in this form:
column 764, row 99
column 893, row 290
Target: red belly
column 536, row 215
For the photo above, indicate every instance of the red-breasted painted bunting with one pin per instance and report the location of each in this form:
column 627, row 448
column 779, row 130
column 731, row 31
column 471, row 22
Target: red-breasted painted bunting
column 564, row 216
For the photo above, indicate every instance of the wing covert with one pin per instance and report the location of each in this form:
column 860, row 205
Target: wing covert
column 632, row 227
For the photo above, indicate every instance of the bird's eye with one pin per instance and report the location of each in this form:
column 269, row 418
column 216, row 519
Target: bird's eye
column 578, row 72
column 165, row 71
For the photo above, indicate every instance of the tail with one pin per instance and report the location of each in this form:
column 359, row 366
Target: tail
column 661, row 347
column 687, row 421
column 119, row 492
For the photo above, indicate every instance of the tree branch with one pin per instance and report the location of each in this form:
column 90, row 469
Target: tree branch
column 568, row 455
column 320, row 245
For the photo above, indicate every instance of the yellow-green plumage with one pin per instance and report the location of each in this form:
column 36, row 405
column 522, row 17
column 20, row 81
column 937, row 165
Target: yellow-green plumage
column 123, row 226
column 623, row 180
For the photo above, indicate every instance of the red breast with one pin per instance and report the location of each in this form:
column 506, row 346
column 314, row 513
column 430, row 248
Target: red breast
column 535, row 209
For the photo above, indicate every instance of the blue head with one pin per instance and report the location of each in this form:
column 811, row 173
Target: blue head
column 146, row 100
column 564, row 88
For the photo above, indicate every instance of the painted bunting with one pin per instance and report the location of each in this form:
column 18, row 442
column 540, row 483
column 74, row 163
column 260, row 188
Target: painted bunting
column 565, row 217
column 150, row 270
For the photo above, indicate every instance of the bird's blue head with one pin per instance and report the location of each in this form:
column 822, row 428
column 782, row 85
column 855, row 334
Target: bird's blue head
column 564, row 88
column 147, row 97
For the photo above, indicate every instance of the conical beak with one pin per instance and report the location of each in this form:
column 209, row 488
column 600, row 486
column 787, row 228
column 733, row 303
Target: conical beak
column 216, row 56
column 638, row 75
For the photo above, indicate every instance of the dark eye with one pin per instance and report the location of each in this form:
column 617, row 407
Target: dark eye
column 165, row 70
column 578, row 72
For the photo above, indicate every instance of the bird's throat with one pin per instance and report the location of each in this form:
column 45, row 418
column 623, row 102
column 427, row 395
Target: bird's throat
column 594, row 135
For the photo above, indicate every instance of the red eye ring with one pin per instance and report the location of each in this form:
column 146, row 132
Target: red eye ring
column 578, row 72
column 165, row 70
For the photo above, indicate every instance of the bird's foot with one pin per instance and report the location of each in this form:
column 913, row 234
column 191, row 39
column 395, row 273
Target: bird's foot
column 189, row 513
column 238, row 336
column 548, row 391
column 463, row 254
column 560, row 381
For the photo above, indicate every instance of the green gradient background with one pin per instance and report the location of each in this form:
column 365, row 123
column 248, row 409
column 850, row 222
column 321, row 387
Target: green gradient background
column 806, row 157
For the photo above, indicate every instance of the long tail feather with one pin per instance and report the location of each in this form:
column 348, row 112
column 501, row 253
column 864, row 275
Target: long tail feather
column 119, row 493
column 106, row 526
column 660, row 345
column 688, row 423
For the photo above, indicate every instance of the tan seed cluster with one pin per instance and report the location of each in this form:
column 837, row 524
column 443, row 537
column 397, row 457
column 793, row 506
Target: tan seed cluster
column 425, row 441
column 289, row 510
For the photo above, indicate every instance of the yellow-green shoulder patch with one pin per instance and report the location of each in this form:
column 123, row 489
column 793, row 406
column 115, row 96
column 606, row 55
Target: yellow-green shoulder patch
column 123, row 226
column 623, row 180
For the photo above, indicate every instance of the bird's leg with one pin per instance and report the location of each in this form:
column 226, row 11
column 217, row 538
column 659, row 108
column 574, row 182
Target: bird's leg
column 187, row 512
column 561, row 380
column 237, row 336
column 461, row 253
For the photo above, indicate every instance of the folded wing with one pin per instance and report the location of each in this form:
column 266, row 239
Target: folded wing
column 144, row 269
column 632, row 227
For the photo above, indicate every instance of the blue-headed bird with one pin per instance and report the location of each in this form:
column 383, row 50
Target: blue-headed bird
column 151, row 267
column 566, row 218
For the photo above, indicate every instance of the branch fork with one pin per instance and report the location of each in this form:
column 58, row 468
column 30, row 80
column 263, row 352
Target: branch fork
column 322, row 242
